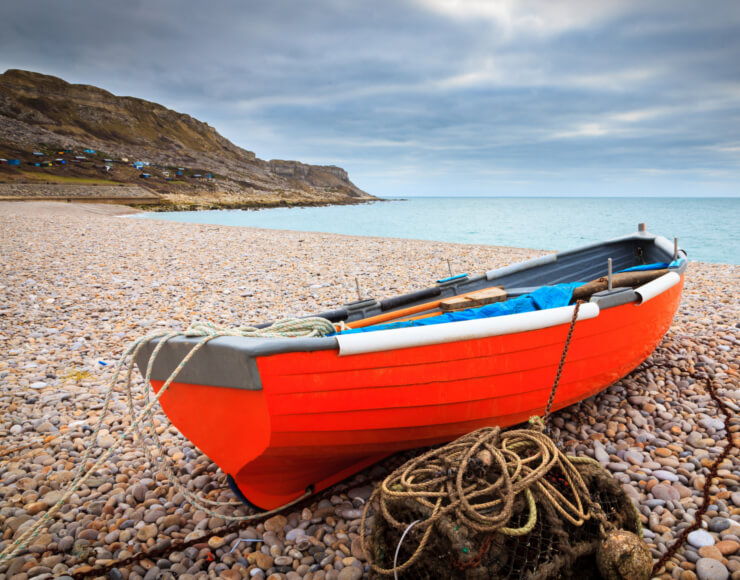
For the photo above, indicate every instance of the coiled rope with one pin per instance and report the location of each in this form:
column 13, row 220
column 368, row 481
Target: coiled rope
column 302, row 327
column 446, row 482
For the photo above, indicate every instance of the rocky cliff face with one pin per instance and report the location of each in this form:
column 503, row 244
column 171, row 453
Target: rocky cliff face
column 38, row 109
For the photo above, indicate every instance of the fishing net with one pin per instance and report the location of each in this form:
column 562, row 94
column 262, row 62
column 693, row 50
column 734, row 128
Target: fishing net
column 497, row 505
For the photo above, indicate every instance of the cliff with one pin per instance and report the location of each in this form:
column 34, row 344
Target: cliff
column 189, row 163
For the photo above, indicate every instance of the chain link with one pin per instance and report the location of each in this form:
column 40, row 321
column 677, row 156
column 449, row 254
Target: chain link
column 562, row 361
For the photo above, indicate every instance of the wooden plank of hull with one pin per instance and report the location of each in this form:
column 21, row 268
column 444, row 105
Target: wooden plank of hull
column 321, row 417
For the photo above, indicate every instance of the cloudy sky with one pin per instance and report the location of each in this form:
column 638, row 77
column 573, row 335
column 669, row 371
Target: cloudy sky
column 427, row 97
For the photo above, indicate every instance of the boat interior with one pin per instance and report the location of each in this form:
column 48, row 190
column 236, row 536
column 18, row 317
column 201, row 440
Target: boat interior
column 583, row 264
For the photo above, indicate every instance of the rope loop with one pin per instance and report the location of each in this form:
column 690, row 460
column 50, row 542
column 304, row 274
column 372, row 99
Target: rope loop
column 301, row 327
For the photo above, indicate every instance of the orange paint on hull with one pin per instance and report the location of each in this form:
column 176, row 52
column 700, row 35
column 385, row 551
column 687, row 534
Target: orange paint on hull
column 320, row 417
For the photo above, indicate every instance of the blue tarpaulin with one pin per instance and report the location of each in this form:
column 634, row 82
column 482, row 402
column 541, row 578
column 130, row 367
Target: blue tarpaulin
column 541, row 299
column 655, row 266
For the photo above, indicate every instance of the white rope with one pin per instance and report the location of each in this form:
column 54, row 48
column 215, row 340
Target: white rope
column 303, row 327
column 398, row 548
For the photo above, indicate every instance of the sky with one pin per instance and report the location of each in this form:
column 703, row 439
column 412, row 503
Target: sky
column 427, row 97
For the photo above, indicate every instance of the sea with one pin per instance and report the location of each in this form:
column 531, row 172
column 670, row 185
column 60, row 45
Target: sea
column 708, row 229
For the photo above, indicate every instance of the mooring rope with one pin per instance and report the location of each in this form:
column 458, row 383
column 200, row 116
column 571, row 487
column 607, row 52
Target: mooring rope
column 305, row 327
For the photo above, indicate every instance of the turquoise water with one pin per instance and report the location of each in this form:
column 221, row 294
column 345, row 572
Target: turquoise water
column 707, row 228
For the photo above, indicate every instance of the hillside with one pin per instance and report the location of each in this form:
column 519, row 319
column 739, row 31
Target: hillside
column 62, row 133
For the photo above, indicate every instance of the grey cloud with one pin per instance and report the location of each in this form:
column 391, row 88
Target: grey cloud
column 526, row 92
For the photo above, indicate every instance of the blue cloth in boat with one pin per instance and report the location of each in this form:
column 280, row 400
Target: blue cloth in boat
column 541, row 299
column 655, row 266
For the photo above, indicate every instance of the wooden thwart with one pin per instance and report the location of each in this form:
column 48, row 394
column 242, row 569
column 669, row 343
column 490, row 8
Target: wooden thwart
column 473, row 299
column 622, row 280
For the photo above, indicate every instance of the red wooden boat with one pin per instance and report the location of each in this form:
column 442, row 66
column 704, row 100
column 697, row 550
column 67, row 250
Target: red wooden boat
column 282, row 415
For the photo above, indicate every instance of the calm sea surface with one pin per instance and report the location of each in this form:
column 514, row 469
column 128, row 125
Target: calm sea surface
column 708, row 229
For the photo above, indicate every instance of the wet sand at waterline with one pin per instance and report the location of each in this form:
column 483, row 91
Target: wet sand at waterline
column 78, row 284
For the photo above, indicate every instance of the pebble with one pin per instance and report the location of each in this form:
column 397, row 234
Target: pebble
column 719, row 524
column 276, row 524
column 147, row 532
column 99, row 282
column 727, row 547
column 709, row 569
column 350, row 573
column 662, row 474
column 665, row 492
column 264, row 561
column 699, row 538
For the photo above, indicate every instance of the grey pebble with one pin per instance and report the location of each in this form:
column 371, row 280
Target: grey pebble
column 700, row 538
column 719, row 524
column 662, row 474
column 709, row 569
column 665, row 492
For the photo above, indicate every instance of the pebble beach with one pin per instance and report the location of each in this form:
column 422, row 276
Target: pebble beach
column 79, row 283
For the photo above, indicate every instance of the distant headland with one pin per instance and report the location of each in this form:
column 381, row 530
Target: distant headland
column 60, row 141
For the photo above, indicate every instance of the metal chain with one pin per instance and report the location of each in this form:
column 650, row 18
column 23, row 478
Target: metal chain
column 706, row 495
column 562, row 361
column 165, row 547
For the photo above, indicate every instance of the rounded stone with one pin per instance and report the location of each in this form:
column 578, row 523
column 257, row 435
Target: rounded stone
column 147, row 532
column 709, row 569
column 276, row 524
column 710, row 552
column 350, row 573
column 662, row 474
column 700, row 538
column 665, row 492
column 727, row 547
column 719, row 524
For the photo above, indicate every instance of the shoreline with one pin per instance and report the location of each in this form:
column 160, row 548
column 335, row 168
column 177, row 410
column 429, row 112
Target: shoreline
column 251, row 206
column 80, row 286
column 32, row 208
column 127, row 207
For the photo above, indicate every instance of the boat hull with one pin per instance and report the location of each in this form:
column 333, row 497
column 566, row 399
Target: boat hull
column 320, row 417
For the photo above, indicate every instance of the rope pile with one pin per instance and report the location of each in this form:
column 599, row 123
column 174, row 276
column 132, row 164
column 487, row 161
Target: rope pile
column 490, row 487
column 305, row 327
